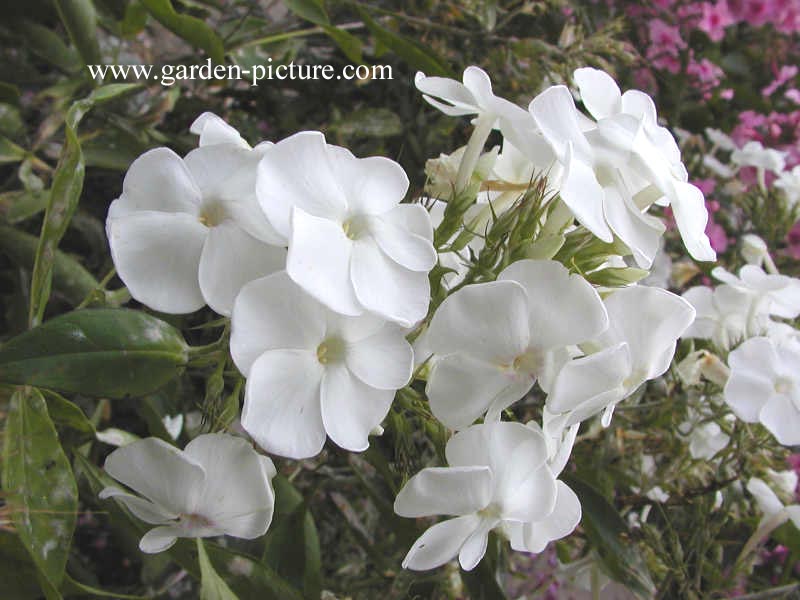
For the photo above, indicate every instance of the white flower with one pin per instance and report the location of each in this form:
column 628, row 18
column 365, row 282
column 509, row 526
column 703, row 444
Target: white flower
column 771, row 294
column 492, row 341
column 753, row 154
column 754, row 249
column 765, row 386
column 720, row 139
column 713, row 164
column 768, row 502
column 615, row 168
column 218, row 485
column 188, row 232
column 213, row 130
column 706, row 440
column 311, row 371
column 722, row 314
column 352, row 245
column 789, row 182
column 638, row 345
column 785, row 481
column 498, row 478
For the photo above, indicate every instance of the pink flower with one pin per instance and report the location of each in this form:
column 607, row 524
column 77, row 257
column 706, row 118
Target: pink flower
column 667, row 37
column 756, row 12
column 726, row 94
column 793, row 242
column 785, row 73
column 717, row 236
column 715, row 19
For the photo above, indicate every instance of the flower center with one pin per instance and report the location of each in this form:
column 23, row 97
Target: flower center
column 331, row 350
column 195, row 521
column 212, row 213
column 530, row 362
column 490, row 513
column 355, row 227
column 783, row 385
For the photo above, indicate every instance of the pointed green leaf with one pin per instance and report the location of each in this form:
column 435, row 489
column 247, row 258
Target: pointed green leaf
column 80, row 20
column 191, row 29
column 310, row 10
column 101, row 352
column 40, row 490
column 10, row 152
column 213, row 587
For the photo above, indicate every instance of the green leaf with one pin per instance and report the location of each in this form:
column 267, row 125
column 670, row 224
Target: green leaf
column 310, row 10
column 349, row 44
column 70, row 278
column 67, row 415
column 134, row 20
column 40, row 490
column 609, row 535
column 101, row 352
column 80, row 20
column 292, row 543
column 417, row 56
column 195, row 31
column 73, row 587
column 48, row 45
column 17, row 571
column 10, row 152
column 617, row 276
column 213, row 587
column 19, row 205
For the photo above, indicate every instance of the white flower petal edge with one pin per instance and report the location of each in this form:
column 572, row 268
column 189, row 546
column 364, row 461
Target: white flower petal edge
column 312, row 372
column 352, row 245
column 218, row 485
column 499, row 478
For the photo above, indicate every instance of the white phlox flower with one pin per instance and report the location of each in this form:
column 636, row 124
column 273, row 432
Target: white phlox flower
column 706, row 440
column 789, row 182
column 217, row 485
column 775, row 511
column 723, row 314
column 638, row 345
column 189, row 232
column 753, row 154
column 764, row 386
column 615, row 168
column 492, row 341
column 497, row 476
column 352, row 245
column 312, row 372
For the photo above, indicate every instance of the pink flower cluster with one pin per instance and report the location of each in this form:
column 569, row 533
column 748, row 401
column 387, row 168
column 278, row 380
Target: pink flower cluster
column 775, row 130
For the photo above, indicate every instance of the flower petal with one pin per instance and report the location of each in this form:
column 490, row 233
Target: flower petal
column 383, row 360
column 238, row 496
column 487, row 320
column 273, row 313
column 387, row 289
column 319, row 261
column 412, row 217
column 689, row 208
column 462, row 388
column 214, row 130
column 639, row 231
column 157, row 256
column 350, row 408
column 407, row 249
column 560, row 523
column 370, row 186
column 599, row 92
column 557, row 117
column 445, row 491
column 141, row 508
column 231, row 258
column 440, row 543
column 159, row 539
column 158, row 180
column 782, row 417
column 475, row 545
column 159, row 472
column 281, row 409
column 296, row 172
column 584, row 195
column 563, row 308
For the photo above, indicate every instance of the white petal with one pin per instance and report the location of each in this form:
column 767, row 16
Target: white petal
column 475, row 545
column 691, row 216
column 159, row 472
column 462, row 388
column 214, row 130
column 350, row 408
column 782, row 417
column 296, row 172
column 157, row 256
column 528, row 494
column 560, row 523
column 445, row 491
column 158, row 180
column 387, row 289
column 282, row 410
column 440, row 543
column 159, row 539
column 767, row 501
column 599, row 92
column 563, row 308
column 407, row 249
column 319, row 261
column 584, row 195
column 412, row 217
column 238, row 496
column 383, row 360
column 556, row 115
column 486, row 320
column 461, row 100
column 273, row 313
column 141, row 508
column 371, row 186
column 639, row 231
column 231, row 258
column 750, row 383
column 584, row 378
